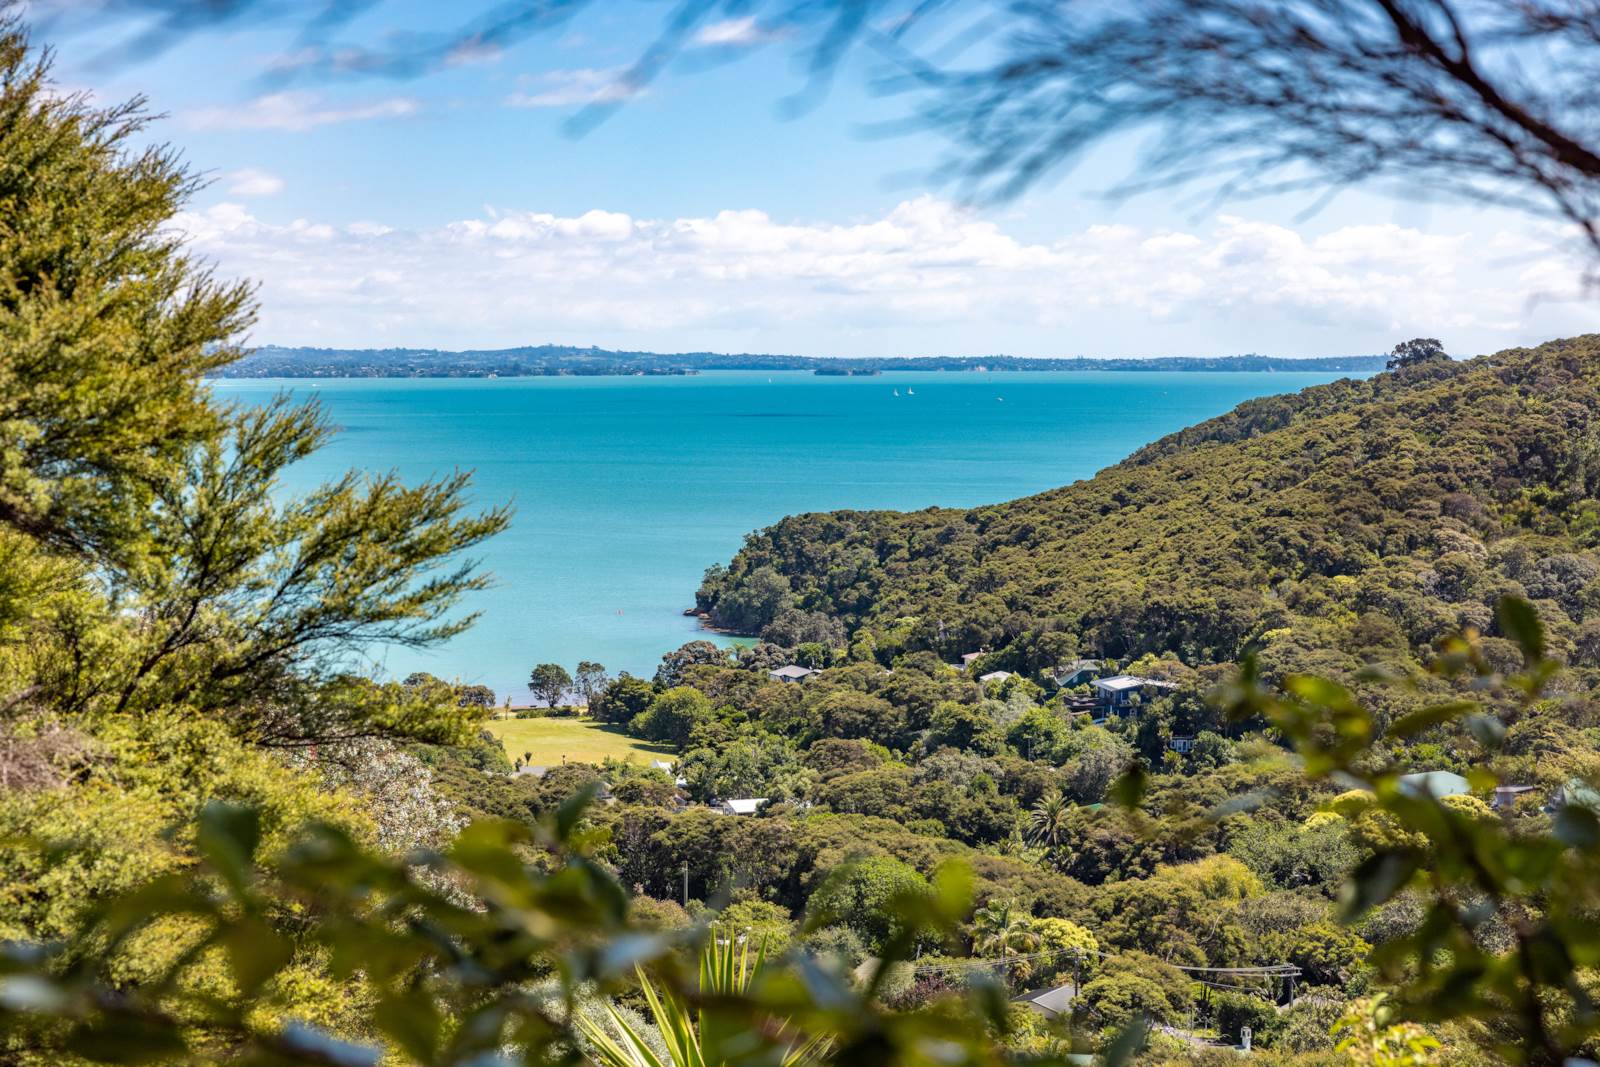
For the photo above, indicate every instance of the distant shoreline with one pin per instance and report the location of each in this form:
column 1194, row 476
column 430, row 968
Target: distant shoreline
column 547, row 361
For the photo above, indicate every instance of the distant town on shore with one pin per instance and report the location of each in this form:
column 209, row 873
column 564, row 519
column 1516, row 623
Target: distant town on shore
column 273, row 361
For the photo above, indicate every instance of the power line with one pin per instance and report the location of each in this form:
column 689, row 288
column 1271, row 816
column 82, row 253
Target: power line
column 1269, row 970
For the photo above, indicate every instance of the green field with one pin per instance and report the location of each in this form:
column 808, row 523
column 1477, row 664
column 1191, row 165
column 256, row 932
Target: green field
column 579, row 740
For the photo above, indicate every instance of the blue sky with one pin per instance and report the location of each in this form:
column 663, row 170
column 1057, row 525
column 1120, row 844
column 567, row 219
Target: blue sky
column 456, row 210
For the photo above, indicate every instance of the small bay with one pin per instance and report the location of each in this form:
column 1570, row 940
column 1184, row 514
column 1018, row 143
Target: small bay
column 627, row 488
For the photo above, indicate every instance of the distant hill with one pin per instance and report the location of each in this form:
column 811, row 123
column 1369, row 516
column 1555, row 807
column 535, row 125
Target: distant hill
column 1349, row 522
column 272, row 361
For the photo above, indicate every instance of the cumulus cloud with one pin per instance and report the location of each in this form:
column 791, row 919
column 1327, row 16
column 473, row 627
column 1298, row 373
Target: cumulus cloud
column 926, row 277
column 573, row 88
column 249, row 181
column 297, row 111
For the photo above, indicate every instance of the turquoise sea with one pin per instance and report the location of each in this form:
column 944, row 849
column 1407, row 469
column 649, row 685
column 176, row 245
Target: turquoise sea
column 626, row 489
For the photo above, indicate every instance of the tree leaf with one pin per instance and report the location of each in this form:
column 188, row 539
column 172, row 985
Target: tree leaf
column 1520, row 622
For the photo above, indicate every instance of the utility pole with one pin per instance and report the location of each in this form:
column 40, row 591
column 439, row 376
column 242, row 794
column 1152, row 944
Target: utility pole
column 686, row 883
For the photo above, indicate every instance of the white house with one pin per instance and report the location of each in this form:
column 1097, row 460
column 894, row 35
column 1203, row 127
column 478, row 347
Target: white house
column 743, row 806
column 792, row 673
column 1125, row 690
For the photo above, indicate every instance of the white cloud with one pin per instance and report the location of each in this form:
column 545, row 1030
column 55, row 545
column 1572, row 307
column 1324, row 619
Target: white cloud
column 249, row 181
column 573, row 88
column 732, row 33
column 297, row 111
column 924, row 278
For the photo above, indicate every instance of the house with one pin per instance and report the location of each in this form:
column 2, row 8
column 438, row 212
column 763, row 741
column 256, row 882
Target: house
column 994, row 676
column 1126, row 690
column 743, row 806
column 1434, row 784
column 1075, row 673
column 667, row 765
column 1184, row 745
column 1507, row 795
column 967, row 659
column 792, row 673
column 1051, row 1001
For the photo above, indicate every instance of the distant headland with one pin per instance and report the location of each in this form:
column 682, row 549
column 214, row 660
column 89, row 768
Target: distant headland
column 273, row 361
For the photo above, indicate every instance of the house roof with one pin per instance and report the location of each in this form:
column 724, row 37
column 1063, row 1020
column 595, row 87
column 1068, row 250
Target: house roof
column 968, row 657
column 994, row 676
column 1051, row 1001
column 744, row 805
column 1124, row 682
column 1078, row 665
column 793, row 670
column 1434, row 783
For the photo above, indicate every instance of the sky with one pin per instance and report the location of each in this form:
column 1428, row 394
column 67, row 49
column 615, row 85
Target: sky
column 458, row 209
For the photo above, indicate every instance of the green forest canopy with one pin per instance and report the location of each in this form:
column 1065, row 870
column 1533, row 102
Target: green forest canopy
column 1352, row 521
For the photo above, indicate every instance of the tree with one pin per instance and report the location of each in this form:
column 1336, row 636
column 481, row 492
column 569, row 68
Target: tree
column 623, row 698
column 549, row 683
column 1003, row 929
column 862, row 895
column 1048, row 824
column 169, row 610
column 691, row 654
column 475, row 696
column 1417, row 351
column 1074, row 950
column 672, row 716
column 591, row 681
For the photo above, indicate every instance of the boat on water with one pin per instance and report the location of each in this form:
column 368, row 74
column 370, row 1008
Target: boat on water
column 897, row 392
column 911, row 392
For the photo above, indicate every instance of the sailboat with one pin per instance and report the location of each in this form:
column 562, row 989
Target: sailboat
column 897, row 392
column 910, row 392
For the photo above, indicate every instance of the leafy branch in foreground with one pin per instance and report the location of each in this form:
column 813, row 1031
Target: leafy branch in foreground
column 1532, row 1002
column 441, row 981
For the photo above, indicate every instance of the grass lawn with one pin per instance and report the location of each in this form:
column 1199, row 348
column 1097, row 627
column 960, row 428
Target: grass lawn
column 579, row 740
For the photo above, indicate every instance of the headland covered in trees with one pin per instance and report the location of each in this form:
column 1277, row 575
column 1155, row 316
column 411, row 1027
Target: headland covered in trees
column 272, row 361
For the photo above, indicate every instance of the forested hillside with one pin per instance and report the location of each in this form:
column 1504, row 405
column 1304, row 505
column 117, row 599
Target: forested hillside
column 1362, row 519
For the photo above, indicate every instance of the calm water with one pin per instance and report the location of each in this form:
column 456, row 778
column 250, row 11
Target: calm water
column 626, row 489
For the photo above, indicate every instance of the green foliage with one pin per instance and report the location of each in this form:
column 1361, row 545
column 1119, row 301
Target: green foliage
column 624, row 698
column 672, row 716
column 549, row 682
column 1124, row 995
column 446, row 981
column 705, row 1038
column 174, row 626
column 1352, row 522
column 1415, row 352
column 1231, row 1012
column 1477, row 872
column 862, row 895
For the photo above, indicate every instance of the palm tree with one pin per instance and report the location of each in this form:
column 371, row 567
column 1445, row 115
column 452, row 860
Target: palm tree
column 1047, row 823
column 695, row 1039
column 1002, row 930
